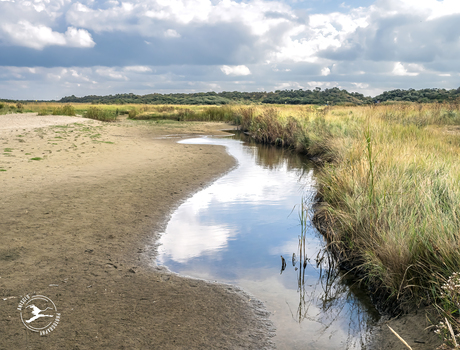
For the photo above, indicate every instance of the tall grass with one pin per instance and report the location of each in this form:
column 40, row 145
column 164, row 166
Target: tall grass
column 100, row 114
column 59, row 110
column 186, row 113
column 389, row 188
column 392, row 198
column 6, row 108
column 78, row 108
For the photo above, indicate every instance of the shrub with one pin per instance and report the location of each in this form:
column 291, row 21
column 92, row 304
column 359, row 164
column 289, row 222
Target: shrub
column 162, row 109
column 186, row 114
column 100, row 114
column 43, row 111
column 132, row 114
column 68, row 110
column 64, row 110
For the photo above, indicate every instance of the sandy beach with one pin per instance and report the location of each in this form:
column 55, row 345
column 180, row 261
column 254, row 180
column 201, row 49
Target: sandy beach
column 81, row 203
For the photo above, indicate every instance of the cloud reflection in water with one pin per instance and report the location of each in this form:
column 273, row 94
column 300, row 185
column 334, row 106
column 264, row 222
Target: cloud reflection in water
column 235, row 231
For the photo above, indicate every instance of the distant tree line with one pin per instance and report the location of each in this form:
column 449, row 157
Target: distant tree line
column 333, row 96
column 421, row 96
column 316, row 96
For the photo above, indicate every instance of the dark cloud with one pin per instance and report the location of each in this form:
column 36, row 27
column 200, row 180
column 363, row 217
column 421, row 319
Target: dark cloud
column 400, row 38
column 203, row 45
column 347, row 52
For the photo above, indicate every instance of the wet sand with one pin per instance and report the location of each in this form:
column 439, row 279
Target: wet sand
column 76, row 221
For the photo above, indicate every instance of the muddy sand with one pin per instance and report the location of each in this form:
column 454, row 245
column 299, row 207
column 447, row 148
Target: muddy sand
column 81, row 203
column 76, row 224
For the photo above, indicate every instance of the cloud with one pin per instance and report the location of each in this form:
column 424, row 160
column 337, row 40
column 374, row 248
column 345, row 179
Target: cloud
column 111, row 73
column 235, row 70
column 399, row 69
column 149, row 17
column 360, row 85
column 171, row 33
column 325, row 71
column 78, row 38
column 180, row 45
column 138, row 69
column 37, row 37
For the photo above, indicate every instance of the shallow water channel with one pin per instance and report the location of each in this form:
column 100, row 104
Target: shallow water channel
column 236, row 230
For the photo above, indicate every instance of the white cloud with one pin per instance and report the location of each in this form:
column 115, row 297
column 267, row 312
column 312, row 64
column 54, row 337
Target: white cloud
column 289, row 85
column 171, row 33
column 24, row 33
column 361, row 86
column 323, row 31
column 147, row 17
column 399, row 69
column 111, row 73
column 138, row 69
column 323, row 84
column 431, row 9
column 235, row 70
column 78, row 38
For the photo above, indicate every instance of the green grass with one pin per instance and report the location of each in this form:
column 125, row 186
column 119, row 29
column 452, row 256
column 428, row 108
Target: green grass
column 186, row 113
column 36, row 158
column 6, row 108
column 57, row 110
column 108, row 142
column 100, row 114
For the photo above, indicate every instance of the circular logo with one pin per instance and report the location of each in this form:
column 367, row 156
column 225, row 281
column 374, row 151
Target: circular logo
column 39, row 314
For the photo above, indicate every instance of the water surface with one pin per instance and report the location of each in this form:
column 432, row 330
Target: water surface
column 236, row 230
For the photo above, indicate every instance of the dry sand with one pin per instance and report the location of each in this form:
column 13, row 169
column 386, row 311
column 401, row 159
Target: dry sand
column 75, row 224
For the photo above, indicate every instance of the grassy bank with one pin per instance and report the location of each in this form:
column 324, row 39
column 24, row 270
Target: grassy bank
column 390, row 185
column 389, row 189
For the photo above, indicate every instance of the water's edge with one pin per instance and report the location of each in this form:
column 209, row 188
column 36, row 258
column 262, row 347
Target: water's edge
column 150, row 253
column 258, row 306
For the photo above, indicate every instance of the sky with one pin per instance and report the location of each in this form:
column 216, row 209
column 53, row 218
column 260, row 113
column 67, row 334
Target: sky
column 55, row 48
